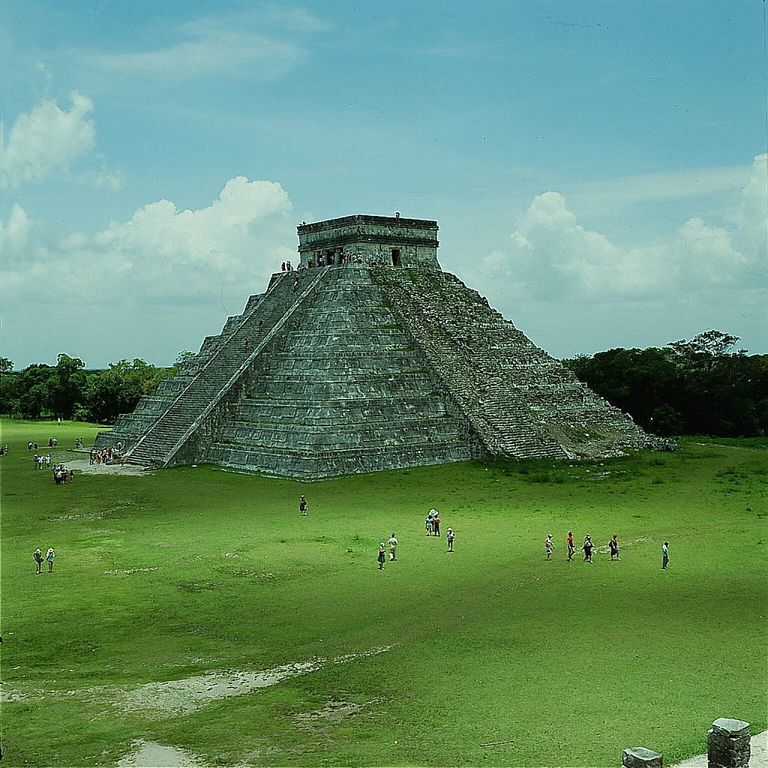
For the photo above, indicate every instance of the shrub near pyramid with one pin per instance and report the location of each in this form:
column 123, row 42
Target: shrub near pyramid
column 369, row 357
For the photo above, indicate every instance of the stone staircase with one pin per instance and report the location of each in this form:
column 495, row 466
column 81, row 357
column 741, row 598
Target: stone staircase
column 183, row 402
column 521, row 401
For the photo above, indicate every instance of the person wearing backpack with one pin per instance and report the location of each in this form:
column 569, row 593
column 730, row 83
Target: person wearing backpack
column 38, row 556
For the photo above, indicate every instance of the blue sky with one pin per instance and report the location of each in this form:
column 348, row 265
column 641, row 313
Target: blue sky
column 598, row 169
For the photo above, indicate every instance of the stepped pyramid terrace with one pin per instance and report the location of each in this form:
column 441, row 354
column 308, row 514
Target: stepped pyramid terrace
column 369, row 357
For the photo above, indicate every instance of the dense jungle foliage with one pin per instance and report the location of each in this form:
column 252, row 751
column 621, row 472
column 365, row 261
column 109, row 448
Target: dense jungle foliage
column 697, row 387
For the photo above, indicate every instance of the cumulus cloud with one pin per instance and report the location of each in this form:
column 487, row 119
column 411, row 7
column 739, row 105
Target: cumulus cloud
column 47, row 139
column 160, row 254
column 752, row 220
column 552, row 254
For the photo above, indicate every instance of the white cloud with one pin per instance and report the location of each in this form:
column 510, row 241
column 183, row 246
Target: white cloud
column 46, row 140
column 14, row 234
column 652, row 187
column 552, row 254
column 752, row 221
column 112, row 181
column 161, row 254
column 291, row 19
column 232, row 44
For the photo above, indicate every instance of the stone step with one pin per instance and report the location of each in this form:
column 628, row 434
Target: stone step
column 309, row 389
column 331, row 463
column 383, row 433
column 340, row 410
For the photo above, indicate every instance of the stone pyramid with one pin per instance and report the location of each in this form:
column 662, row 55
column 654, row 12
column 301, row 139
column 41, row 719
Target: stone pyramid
column 369, row 357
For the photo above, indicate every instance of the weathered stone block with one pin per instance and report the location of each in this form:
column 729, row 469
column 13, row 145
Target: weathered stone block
column 728, row 744
column 640, row 757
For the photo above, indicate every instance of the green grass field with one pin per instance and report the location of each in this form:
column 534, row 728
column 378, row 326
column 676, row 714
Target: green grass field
column 495, row 656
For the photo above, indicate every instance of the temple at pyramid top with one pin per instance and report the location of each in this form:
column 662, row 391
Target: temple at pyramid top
column 374, row 240
column 368, row 357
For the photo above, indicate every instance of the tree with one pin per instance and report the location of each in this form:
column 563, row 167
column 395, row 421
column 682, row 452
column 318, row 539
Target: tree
column 67, row 387
column 713, row 343
column 8, row 387
column 33, row 390
column 118, row 389
column 690, row 387
column 636, row 380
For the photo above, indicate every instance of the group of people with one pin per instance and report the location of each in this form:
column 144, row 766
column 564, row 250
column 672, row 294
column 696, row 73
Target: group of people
column 323, row 260
column 381, row 557
column 432, row 525
column 4, row 450
column 339, row 258
column 588, row 547
column 33, row 446
column 62, row 474
column 50, row 556
column 41, row 460
column 108, row 455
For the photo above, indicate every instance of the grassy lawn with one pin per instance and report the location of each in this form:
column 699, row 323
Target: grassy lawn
column 493, row 655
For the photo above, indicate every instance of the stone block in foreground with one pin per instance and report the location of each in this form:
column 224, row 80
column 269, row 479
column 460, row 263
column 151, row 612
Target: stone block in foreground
column 728, row 744
column 640, row 757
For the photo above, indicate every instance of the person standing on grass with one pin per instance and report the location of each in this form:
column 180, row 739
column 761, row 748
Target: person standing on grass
column 303, row 505
column 382, row 556
column 549, row 546
column 571, row 547
column 664, row 555
column 436, row 523
column 428, row 523
column 50, row 555
column 587, row 547
column 613, row 546
column 392, row 547
column 38, row 556
column 449, row 534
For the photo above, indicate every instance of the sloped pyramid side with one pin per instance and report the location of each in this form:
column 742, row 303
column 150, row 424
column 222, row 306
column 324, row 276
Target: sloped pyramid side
column 344, row 391
column 521, row 402
column 161, row 425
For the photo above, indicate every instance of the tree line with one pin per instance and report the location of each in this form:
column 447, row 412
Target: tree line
column 68, row 391
column 699, row 386
column 689, row 387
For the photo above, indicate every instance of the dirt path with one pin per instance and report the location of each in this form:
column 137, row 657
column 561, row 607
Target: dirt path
column 83, row 466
